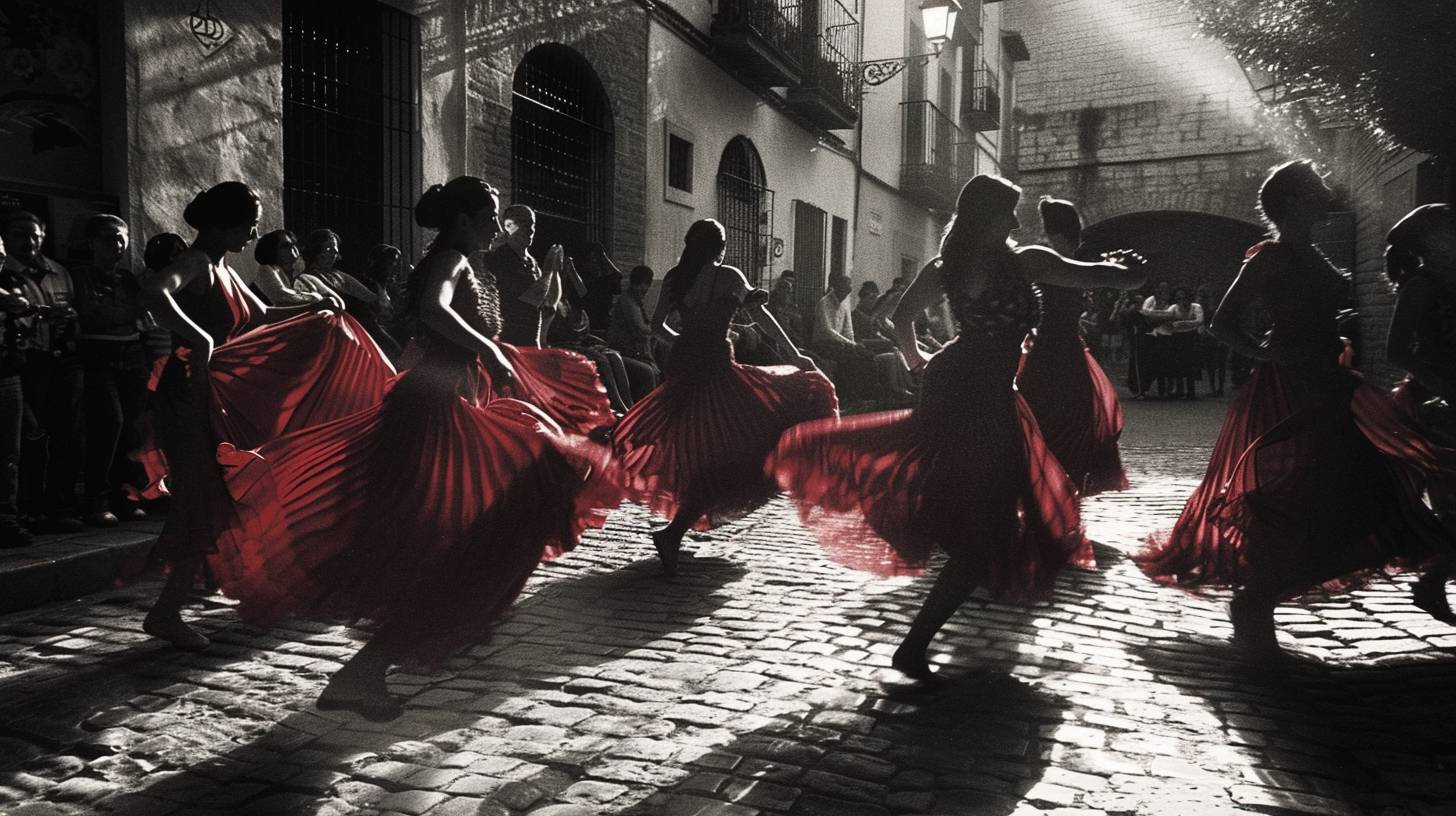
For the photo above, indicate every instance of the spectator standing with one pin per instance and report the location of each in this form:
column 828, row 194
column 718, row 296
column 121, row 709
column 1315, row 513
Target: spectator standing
column 13, row 306
column 1158, row 316
column 1213, row 354
column 114, row 361
column 52, row 378
column 527, row 292
column 1184, row 365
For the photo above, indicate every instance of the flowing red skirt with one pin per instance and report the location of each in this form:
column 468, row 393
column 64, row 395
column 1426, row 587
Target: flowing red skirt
column 1315, row 476
column 966, row 472
column 700, row 439
column 562, row 383
column 1077, row 411
column 268, row 382
column 425, row 513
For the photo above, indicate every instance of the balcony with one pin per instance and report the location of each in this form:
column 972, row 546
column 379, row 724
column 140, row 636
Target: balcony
column 931, row 158
column 981, row 101
column 828, row 93
column 763, row 38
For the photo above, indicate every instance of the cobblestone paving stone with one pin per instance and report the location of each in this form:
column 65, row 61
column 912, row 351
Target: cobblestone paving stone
column 758, row 683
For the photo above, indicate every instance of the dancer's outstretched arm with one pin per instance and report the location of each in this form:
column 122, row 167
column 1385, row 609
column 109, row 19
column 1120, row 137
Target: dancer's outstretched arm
column 1124, row 270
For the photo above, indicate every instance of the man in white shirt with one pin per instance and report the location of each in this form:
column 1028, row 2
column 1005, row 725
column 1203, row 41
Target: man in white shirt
column 834, row 340
column 1158, row 316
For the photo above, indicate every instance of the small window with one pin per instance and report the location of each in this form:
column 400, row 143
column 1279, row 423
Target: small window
column 679, row 163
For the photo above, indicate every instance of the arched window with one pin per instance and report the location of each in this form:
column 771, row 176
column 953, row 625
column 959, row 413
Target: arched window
column 745, row 206
column 561, row 147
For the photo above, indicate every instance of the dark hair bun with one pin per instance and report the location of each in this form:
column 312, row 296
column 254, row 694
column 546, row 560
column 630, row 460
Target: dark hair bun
column 229, row 204
column 463, row 195
column 430, row 210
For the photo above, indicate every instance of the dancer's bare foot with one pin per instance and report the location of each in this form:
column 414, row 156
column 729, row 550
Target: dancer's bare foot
column 1429, row 594
column 362, row 693
column 171, row 628
column 668, row 547
column 911, row 662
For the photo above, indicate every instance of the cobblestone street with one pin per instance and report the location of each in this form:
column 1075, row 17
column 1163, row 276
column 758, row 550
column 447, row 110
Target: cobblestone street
column 757, row 682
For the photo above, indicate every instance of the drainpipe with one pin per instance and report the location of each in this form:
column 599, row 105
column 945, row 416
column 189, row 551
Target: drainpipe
column 858, row 146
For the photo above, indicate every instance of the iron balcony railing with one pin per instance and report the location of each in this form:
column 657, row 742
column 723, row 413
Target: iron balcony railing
column 929, row 168
column 981, row 106
column 775, row 23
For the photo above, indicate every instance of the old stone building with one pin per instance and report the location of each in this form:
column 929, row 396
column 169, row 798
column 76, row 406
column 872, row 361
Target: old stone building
column 620, row 121
column 1126, row 109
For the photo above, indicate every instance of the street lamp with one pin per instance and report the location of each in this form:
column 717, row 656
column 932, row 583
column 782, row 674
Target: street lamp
column 938, row 17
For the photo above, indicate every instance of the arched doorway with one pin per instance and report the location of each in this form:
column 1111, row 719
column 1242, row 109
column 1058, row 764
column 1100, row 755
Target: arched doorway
column 561, row 148
column 745, row 206
column 1183, row 247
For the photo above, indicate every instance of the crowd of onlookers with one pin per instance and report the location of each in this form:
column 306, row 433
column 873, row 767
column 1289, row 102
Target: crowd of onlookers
column 79, row 348
column 1161, row 333
column 78, row 345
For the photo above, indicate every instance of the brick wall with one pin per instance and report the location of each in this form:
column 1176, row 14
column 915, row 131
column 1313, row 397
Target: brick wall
column 1122, row 108
column 612, row 36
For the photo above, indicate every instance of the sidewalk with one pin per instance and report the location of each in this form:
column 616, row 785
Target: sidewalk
column 60, row 567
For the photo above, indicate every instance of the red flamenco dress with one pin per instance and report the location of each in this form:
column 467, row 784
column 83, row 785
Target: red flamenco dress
column 425, row 513
column 1074, row 403
column 261, row 384
column 700, row 439
column 965, row 471
column 563, row 384
column 1315, row 477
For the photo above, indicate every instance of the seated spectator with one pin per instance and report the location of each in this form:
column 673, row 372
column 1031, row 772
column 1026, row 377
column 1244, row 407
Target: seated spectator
column 280, row 268
column 603, row 283
column 114, row 360
column 781, row 306
column 834, row 340
column 866, row 329
column 629, row 329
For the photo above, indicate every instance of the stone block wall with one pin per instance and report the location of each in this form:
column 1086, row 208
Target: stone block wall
column 194, row 120
column 1124, row 108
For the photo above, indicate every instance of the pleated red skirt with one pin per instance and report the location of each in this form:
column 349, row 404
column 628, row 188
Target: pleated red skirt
column 561, row 383
column 966, row 472
column 1312, row 474
column 1076, row 409
column 425, row 514
column 268, row 382
column 700, row 439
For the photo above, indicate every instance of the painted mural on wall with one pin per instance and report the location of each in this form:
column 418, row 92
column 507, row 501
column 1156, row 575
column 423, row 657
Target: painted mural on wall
column 49, row 124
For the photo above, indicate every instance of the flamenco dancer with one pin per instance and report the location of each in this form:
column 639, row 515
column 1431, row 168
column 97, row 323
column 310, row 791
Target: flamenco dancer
column 694, row 448
column 225, row 382
column 562, row 383
column 427, row 512
column 1310, row 479
column 966, row 470
column 1075, row 405
column 1421, row 264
